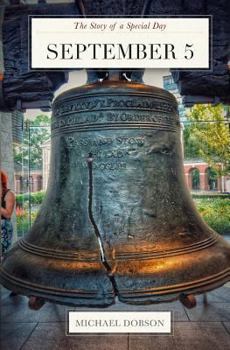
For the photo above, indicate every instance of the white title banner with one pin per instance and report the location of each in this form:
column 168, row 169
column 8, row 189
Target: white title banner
column 61, row 43
column 119, row 322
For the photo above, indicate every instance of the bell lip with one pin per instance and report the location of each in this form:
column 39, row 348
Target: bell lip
column 140, row 297
column 77, row 297
column 142, row 290
column 115, row 87
column 86, row 300
column 193, row 287
column 154, row 298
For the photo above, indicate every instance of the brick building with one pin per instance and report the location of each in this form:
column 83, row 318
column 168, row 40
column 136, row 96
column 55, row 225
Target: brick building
column 201, row 177
column 24, row 181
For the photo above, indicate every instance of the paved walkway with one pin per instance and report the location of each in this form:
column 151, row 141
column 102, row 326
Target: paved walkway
column 205, row 327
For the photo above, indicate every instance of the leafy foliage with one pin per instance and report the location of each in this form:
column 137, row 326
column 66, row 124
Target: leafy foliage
column 22, row 210
column 208, row 137
column 36, row 132
column 23, row 222
column 216, row 212
column 35, row 198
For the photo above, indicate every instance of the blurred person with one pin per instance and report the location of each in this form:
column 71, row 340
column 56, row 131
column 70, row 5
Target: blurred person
column 7, row 208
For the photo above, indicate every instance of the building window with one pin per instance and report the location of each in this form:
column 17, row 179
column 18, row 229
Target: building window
column 195, row 178
column 211, row 176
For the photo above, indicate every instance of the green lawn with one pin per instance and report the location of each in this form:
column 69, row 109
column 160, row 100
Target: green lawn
column 216, row 212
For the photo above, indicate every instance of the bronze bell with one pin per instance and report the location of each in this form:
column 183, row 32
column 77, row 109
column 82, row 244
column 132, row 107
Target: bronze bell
column 117, row 219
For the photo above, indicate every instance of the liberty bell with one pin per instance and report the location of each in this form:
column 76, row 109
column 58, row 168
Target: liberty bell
column 117, row 220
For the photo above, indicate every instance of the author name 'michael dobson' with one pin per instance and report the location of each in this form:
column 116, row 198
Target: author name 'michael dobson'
column 120, row 323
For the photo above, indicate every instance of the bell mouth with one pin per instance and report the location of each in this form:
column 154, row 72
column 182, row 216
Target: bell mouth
column 135, row 281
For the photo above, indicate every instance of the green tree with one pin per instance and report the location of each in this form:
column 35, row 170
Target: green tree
column 36, row 132
column 207, row 136
column 191, row 143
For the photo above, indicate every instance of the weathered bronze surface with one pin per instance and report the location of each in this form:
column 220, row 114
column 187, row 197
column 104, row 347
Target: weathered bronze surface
column 117, row 218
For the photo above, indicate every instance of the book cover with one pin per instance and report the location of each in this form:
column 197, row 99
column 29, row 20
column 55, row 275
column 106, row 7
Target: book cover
column 111, row 113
